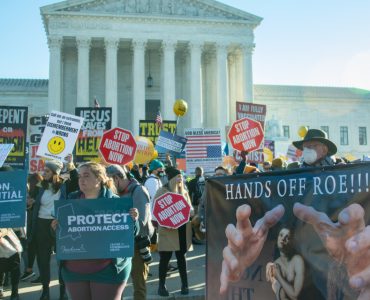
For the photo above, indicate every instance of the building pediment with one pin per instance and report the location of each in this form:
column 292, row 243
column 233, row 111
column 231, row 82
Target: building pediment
column 192, row 9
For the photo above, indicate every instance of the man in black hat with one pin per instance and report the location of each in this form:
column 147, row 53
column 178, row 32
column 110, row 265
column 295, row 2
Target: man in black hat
column 317, row 149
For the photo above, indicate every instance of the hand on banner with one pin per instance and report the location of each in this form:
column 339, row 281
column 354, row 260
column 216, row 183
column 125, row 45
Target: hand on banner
column 54, row 224
column 347, row 241
column 69, row 162
column 244, row 155
column 134, row 213
column 245, row 242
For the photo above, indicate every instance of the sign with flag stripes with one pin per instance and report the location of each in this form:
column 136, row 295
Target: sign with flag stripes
column 203, row 149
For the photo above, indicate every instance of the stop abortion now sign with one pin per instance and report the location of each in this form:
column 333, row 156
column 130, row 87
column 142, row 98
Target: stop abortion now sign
column 171, row 210
column 246, row 135
column 118, row 146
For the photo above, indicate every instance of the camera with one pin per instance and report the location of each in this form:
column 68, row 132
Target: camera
column 143, row 243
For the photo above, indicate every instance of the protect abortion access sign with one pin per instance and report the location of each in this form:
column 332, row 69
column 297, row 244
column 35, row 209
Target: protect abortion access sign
column 118, row 146
column 94, row 228
column 246, row 135
column 171, row 210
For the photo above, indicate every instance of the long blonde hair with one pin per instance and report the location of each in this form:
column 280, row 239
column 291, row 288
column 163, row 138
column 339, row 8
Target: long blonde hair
column 99, row 171
column 175, row 188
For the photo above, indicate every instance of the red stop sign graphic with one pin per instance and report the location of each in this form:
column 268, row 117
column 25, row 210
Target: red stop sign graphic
column 246, row 135
column 118, row 146
column 171, row 210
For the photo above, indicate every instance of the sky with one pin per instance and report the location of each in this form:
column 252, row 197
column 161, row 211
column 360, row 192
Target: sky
column 307, row 42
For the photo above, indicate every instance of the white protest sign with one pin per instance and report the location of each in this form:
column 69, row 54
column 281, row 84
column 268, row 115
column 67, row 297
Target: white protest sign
column 4, row 152
column 59, row 135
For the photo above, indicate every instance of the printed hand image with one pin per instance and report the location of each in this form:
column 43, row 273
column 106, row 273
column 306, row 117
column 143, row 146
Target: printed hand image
column 286, row 273
column 347, row 242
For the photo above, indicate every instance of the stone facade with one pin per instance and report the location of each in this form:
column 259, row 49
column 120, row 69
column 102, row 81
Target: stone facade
column 108, row 49
column 290, row 106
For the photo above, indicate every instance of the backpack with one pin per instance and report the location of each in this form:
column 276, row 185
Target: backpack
column 199, row 189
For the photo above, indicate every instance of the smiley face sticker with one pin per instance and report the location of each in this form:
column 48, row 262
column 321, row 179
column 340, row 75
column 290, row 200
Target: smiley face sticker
column 56, row 145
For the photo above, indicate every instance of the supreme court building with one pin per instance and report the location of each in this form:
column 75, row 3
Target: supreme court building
column 138, row 55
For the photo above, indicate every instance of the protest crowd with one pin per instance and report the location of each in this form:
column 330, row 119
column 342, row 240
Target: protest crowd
column 159, row 192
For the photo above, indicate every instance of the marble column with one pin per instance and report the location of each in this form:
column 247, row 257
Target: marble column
column 196, row 111
column 83, row 49
column 138, row 86
column 55, row 73
column 222, row 87
column 111, row 46
column 247, row 72
column 232, row 86
column 168, row 47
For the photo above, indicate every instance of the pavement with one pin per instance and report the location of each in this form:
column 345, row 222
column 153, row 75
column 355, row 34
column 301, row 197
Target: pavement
column 196, row 276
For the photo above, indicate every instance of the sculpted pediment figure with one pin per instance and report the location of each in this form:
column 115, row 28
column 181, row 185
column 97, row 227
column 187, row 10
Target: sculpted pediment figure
column 183, row 8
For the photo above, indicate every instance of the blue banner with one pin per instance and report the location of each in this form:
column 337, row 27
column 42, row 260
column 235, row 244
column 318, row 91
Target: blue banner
column 170, row 143
column 94, row 228
column 13, row 199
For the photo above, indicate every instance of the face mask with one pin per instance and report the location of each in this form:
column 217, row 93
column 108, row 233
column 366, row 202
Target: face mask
column 160, row 173
column 309, row 156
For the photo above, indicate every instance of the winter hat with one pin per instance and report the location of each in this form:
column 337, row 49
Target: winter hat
column 172, row 172
column 277, row 164
column 317, row 135
column 115, row 170
column 54, row 165
column 155, row 164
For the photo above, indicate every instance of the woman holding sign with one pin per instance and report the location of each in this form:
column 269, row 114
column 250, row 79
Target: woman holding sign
column 52, row 188
column 97, row 278
column 169, row 240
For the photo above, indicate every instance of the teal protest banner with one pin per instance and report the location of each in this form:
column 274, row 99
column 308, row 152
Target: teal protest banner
column 13, row 198
column 94, row 228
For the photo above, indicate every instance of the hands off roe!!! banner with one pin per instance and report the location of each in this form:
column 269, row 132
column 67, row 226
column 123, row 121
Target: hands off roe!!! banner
column 285, row 235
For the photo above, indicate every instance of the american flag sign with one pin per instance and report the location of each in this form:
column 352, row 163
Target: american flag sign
column 203, row 149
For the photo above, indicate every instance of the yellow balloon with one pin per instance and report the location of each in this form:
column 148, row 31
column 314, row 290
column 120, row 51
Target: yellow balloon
column 180, row 107
column 268, row 155
column 155, row 154
column 302, row 131
column 144, row 150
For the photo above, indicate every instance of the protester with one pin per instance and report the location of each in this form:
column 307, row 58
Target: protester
column 135, row 171
column 196, row 187
column 10, row 251
column 97, row 278
column 266, row 166
column 29, row 250
column 126, row 185
column 277, row 164
column 169, row 240
column 153, row 182
column 317, row 149
column 52, row 189
column 243, row 163
column 220, row 171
